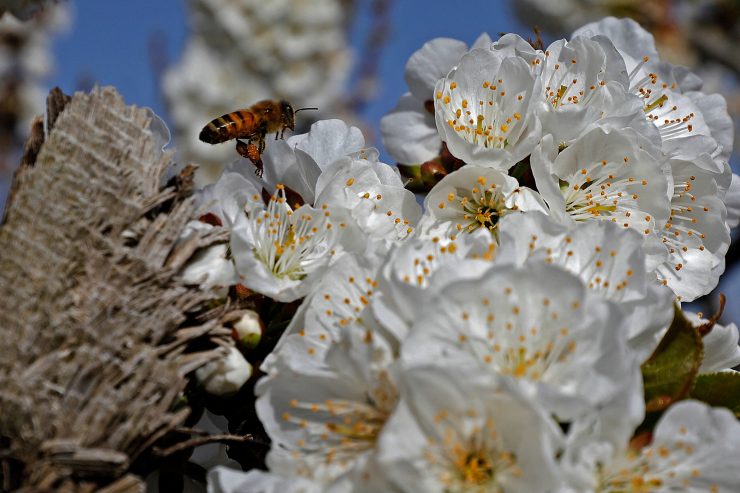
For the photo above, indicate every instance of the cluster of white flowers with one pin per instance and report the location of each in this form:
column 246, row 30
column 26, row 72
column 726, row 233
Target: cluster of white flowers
column 244, row 51
column 506, row 337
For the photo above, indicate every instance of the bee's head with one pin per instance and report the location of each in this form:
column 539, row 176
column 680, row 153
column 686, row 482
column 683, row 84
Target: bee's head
column 287, row 115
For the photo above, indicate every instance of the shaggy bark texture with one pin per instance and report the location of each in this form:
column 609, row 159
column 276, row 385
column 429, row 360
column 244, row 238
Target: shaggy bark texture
column 97, row 331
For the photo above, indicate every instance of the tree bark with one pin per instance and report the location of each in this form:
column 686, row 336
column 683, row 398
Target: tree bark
column 96, row 327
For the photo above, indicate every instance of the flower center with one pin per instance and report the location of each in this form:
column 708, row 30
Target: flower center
column 340, row 429
column 487, row 118
column 484, row 210
column 634, row 476
column 473, row 464
column 567, row 86
column 291, row 244
column 481, row 206
column 475, row 468
column 601, row 191
column 661, row 105
column 512, row 341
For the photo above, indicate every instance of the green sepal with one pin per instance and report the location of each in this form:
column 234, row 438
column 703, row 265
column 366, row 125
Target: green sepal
column 412, row 175
column 719, row 389
column 670, row 372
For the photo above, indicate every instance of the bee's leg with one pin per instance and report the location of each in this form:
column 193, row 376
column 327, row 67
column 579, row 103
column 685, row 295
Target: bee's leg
column 242, row 148
column 252, row 152
column 259, row 168
column 277, row 134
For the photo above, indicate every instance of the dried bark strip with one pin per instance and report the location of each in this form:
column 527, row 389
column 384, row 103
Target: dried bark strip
column 93, row 320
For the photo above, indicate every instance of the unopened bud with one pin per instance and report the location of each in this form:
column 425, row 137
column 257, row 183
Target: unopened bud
column 450, row 162
column 248, row 330
column 429, row 106
column 226, row 375
column 432, row 172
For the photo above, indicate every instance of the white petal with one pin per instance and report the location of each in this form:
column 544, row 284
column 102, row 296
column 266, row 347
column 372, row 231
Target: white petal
column 721, row 350
column 224, row 480
column 504, row 320
column 714, row 110
column 627, row 35
column 458, row 430
column 372, row 193
column 209, row 267
column 609, row 259
column 732, row 202
column 485, row 109
column 282, row 165
column 409, row 133
column 328, row 140
column 430, row 63
column 226, row 375
column 226, row 198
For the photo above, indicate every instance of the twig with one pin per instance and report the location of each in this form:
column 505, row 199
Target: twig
column 204, row 440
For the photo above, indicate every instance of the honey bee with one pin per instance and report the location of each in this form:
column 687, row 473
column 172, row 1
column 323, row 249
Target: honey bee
column 252, row 124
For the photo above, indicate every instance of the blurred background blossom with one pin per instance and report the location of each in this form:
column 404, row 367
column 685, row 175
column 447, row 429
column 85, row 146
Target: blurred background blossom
column 242, row 51
column 26, row 61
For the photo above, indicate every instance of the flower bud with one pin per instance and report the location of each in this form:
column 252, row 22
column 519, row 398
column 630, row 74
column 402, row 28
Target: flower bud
column 226, row 375
column 248, row 330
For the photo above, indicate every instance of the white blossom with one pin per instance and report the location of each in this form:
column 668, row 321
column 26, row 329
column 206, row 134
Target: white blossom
column 409, row 132
column 330, row 166
column 537, row 325
column 584, row 83
column 485, row 109
column 282, row 252
column 690, row 123
column 459, row 431
column 331, row 383
column 607, row 175
column 372, row 193
column 476, row 197
column 694, row 448
column 608, row 258
column 696, row 235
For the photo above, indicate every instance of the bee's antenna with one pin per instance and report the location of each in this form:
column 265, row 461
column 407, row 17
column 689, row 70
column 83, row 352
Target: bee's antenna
column 301, row 109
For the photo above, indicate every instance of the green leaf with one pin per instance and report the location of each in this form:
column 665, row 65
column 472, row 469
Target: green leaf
column 719, row 389
column 669, row 374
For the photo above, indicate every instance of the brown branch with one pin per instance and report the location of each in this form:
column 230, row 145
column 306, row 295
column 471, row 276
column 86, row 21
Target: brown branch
column 204, row 440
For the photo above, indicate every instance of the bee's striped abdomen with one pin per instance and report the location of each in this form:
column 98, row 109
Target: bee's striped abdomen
column 240, row 123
